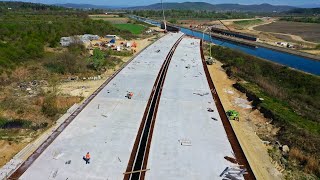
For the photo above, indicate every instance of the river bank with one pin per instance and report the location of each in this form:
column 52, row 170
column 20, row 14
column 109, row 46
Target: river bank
column 240, row 41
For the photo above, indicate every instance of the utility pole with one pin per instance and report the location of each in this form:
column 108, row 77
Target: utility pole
column 164, row 18
column 203, row 37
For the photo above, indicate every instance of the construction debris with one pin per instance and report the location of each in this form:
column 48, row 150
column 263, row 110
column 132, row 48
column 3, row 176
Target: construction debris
column 210, row 110
column 185, row 142
column 68, row 162
column 201, row 94
column 243, row 103
column 233, row 173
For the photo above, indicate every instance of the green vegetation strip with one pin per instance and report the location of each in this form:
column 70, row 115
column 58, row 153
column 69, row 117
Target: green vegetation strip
column 20, row 123
column 302, row 19
column 280, row 110
column 180, row 14
column 133, row 28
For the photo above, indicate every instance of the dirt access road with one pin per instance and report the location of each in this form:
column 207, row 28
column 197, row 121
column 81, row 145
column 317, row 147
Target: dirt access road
column 256, row 152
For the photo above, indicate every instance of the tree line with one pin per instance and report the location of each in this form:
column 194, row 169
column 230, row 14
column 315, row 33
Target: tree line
column 302, row 19
column 187, row 14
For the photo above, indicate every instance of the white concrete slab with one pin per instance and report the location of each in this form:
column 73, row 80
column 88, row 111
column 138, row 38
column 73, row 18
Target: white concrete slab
column 187, row 143
column 107, row 127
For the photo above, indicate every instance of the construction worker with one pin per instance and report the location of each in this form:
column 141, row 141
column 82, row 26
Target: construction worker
column 129, row 95
column 87, row 158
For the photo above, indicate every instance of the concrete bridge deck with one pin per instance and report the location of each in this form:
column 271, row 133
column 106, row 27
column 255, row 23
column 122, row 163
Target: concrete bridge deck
column 188, row 141
column 107, row 127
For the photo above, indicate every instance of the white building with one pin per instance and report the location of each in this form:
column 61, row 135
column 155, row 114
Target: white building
column 112, row 36
column 83, row 39
column 90, row 37
column 66, row 41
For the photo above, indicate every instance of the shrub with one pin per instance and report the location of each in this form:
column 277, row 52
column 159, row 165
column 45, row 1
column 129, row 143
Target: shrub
column 49, row 107
column 297, row 154
column 76, row 48
column 312, row 165
column 66, row 63
column 16, row 123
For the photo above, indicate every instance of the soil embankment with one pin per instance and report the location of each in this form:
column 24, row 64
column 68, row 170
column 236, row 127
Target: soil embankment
column 246, row 129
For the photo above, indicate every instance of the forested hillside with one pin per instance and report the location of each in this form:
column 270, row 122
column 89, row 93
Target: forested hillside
column 311, row 15
column 216, row 7
column 25, row 6
column 191, row 14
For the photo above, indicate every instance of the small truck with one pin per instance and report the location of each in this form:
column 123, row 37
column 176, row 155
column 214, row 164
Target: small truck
column 233, row 115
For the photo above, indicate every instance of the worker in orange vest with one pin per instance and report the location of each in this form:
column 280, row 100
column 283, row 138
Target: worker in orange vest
column 129, row 95
column 87, row 158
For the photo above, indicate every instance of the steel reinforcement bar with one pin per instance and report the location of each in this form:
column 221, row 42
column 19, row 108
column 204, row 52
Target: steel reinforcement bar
column 26, row 164
column 137, row 164
column 240, row 156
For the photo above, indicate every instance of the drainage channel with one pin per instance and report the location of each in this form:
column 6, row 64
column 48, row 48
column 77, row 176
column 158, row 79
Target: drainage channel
column 137, row 164
column 240, row 156
column 26, row 164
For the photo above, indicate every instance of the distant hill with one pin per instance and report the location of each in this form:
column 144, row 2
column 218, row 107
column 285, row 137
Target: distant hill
column 26, row 5
column 217, row 7
column 87, row 6
column 157, row 6
column 310, row 6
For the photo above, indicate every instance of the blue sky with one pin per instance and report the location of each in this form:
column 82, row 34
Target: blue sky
column 147, row 2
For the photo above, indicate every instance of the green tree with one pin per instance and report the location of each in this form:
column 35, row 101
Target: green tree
column 98, row 59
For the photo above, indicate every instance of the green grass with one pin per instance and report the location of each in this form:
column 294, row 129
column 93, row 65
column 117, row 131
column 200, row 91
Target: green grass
column 119, row 53
column 281, row 110
column 133, row 28
column 248, row 22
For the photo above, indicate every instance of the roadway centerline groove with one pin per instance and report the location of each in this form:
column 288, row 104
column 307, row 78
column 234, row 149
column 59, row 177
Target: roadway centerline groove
column 139, row 155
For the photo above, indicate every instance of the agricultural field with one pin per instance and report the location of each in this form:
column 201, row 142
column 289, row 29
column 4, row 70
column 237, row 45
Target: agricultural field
column 112, row 18
column 133, row 28
column 307, row 31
